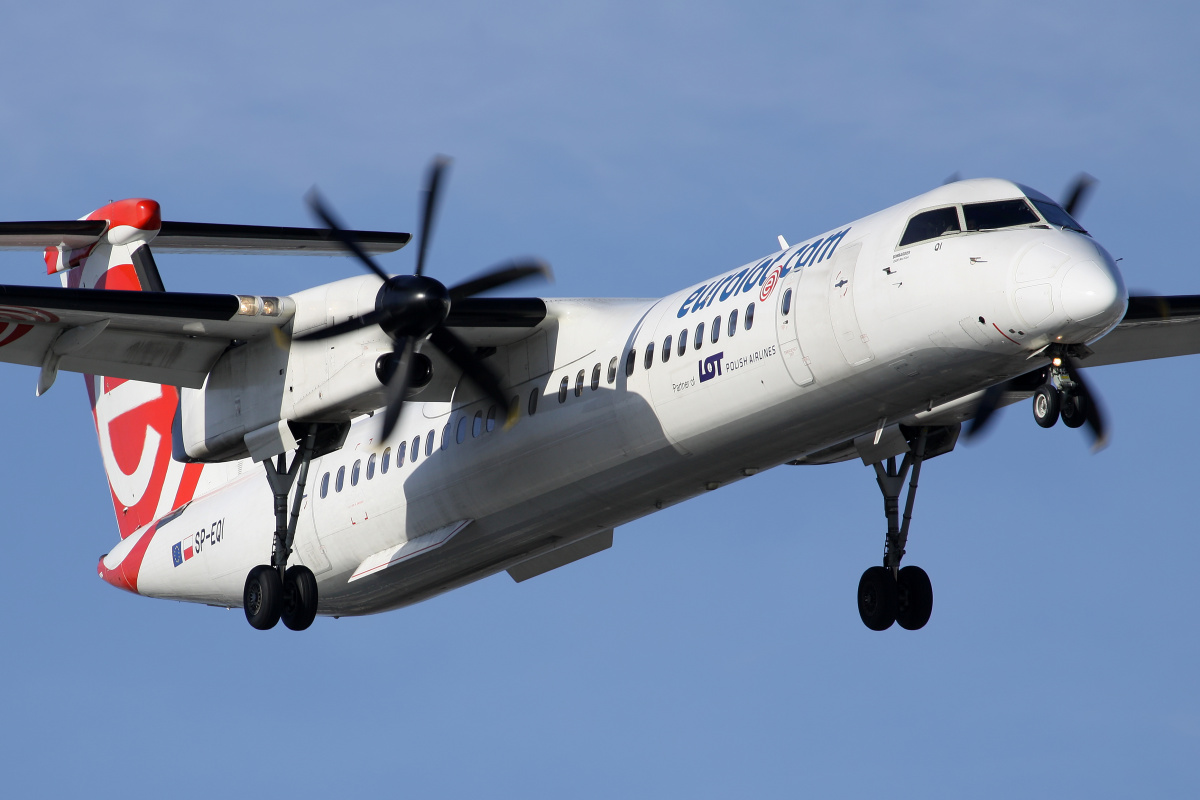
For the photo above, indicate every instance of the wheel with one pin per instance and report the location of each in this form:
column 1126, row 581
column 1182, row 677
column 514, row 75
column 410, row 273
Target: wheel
column 1074, row 410
column 299, row 597
column 877, row 598
column 915, row 598
column 1045, row 406
column 262, row 598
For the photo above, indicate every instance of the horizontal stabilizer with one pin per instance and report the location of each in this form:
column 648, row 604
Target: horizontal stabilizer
column 199, row 237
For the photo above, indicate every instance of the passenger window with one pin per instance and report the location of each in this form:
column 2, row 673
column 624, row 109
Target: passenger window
column 324, row 485
column 477, row 425
column 429, row 443
column 354, row 473
column 446, row 436
column 1000, row 214
column 787, row 302
column 699, row 340
column 716, row 331
column 595, row 377
column 533, row 398
column 562, row 389
column 416, row 449
column 579, row 384
column 648, row 360
column 930, row 225
column 630, row 362
column 400, row 455
column 666, row 351
column 749, row 316
column 682, row 342
column 732, row 323
column 371, row 467
column 491, row 417
column 341, row 479
column 612, row 369
column 460, row 435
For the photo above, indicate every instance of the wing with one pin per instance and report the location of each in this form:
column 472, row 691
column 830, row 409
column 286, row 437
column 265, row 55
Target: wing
column 1153, row 327
column 171, row 338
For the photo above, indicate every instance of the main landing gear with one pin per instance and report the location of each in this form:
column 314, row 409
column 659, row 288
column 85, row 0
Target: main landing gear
column 277, row 591
column 887, row 593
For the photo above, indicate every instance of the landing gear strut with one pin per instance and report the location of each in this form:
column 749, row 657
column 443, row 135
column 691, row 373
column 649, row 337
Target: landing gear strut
column 278, row 591
column 887, row 593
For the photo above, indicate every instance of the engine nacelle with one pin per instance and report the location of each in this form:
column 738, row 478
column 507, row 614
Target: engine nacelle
column 257, row 388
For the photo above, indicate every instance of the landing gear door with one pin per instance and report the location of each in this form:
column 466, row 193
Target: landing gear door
column 786, row 321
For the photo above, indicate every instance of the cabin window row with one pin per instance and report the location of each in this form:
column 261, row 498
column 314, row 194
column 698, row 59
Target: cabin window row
column 679, row 346
column 476, row 425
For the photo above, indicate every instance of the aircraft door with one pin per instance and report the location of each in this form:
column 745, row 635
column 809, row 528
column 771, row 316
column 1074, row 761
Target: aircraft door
column 787, row 314
column 842, row 317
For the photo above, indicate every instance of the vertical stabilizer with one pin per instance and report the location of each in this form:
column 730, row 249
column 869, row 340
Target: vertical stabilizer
column 133, row 419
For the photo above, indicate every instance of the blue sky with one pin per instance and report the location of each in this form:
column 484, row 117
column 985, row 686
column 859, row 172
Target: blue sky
column 715, row 649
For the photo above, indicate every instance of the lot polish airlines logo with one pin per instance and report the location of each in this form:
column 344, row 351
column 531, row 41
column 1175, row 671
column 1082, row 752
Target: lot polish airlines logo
column 133, row 423
column 711, row 367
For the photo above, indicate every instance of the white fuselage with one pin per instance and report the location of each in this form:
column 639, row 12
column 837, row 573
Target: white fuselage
column 875, row 335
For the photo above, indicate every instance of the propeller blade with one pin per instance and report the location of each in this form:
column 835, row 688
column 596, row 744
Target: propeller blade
column 1080, row 190
column 465, row 359
column 354, row 324
column 1095, row 418
column 988, row 404
column 338, row 232
column 397, row 385
column 434, row 179
column 501, row 275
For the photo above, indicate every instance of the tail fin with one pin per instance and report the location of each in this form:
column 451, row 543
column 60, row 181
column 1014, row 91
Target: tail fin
column 133, row 419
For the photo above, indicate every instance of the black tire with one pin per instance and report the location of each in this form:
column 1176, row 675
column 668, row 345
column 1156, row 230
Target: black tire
column 1074, row 410
column 1046, row 403
column 915, row 598
column 299, row 597
column 262, row 598
column 877, row 598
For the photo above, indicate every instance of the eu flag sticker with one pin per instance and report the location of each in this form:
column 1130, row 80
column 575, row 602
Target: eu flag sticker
column 177, row 553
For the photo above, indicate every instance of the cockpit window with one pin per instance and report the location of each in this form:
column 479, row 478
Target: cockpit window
column 1057, row 216
column 930, row 225
column 998, row 214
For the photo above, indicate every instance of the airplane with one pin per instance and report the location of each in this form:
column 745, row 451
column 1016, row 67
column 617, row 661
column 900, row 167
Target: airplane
column 415, row 437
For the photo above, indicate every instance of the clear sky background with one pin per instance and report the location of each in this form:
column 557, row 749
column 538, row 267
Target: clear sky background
column 715, row 650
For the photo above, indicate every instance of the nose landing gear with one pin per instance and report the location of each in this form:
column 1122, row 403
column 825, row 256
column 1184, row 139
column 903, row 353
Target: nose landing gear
column 888, row 594
column 1061, row 396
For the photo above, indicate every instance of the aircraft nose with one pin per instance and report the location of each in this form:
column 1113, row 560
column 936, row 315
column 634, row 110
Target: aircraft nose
column 1091, row 291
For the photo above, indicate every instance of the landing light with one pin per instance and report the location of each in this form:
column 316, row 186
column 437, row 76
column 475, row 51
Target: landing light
column 251, row 306
column 1056, row 361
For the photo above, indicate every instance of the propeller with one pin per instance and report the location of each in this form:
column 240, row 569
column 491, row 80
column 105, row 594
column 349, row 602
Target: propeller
column 1080, row 189
column 412, row 308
